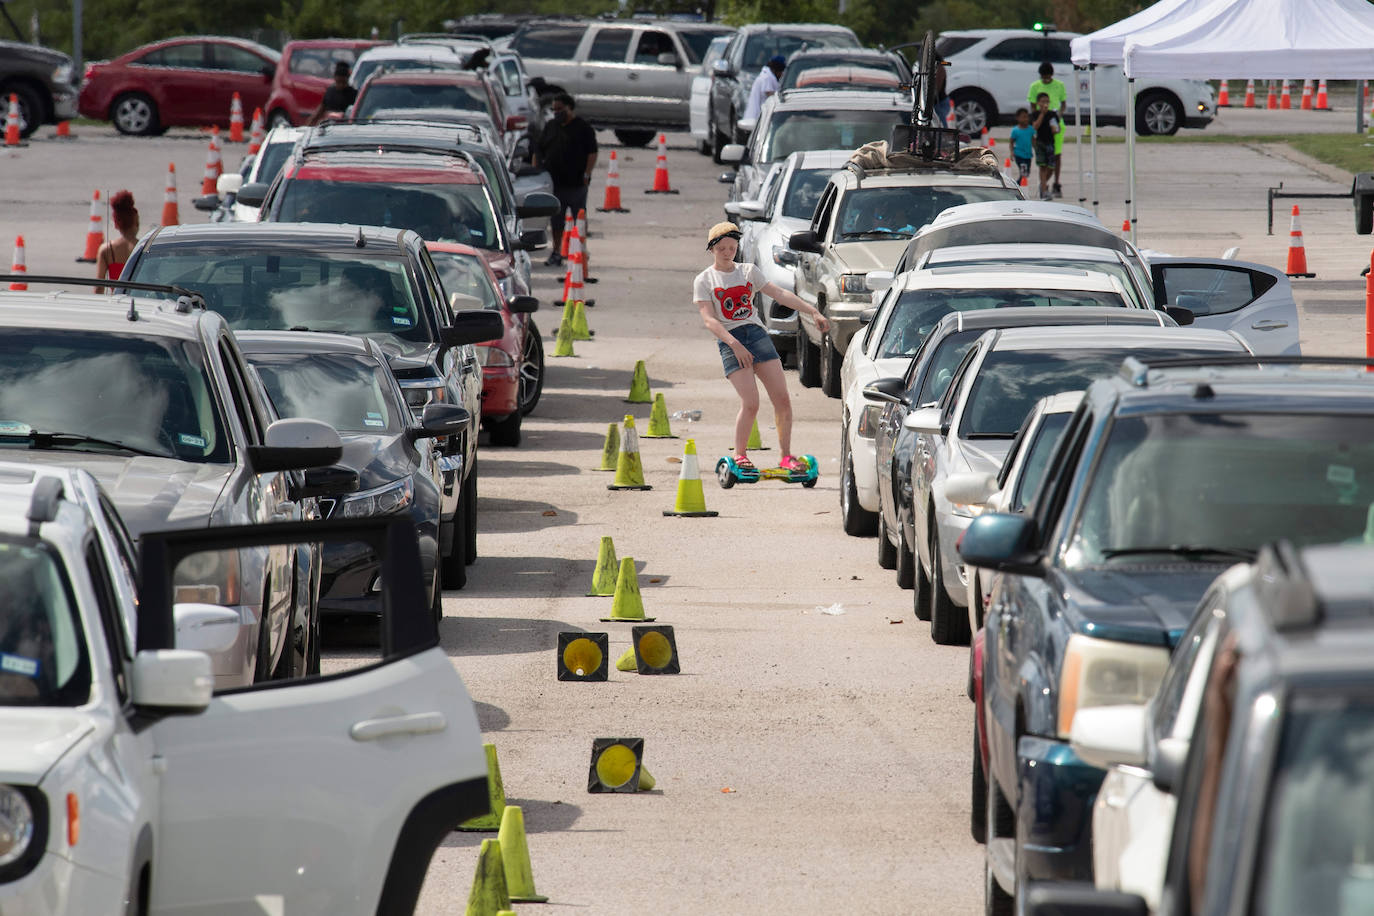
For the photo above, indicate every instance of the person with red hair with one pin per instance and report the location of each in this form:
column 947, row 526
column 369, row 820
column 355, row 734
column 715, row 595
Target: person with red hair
column 113, row 254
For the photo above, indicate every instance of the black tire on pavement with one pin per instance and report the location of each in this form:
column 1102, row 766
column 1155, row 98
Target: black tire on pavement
column 920, row 590
column 635, row 137
column 1158, row 113
column 453, row 566
column 531, row 369
column 135, row 115
column 906, row 556
column 808, row 360
column 505, row 432
column 948, row 621
column 978, row 809
column 469, row 505
column 887, row 554
column 831, row 360
column 858, row 521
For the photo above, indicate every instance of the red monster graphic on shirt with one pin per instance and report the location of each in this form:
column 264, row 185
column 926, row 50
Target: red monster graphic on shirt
column 735, row 302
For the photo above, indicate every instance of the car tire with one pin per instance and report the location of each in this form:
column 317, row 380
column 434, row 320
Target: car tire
column 279, row 118
column 920, row 590
column 831, row 360
column 718, row 142
column 32, row 111
column 469, row 501
column 906, row 556
column 858, row 521
column 948, row 621
column 262, row 665
column 505, row 433
column 978, row 807
column 996, row 902
column 1158, row 113
column 634, row 137
column 808, row 360
column 312, row 655
column 453, row 567
column 974, row 109
column 887, row 554
column 531, row 370
column 135, row 114
column 436, row 606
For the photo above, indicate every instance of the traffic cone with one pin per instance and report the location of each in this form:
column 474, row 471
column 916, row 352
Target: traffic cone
column 1306, row 104
column 611, row 202
column 586, row 251
column 1297, row 252
column 627, row 603
column 755, row 443
column 603, row 577
column 212, row 163
column 658, row 421
column 629, row 471
column 618, row 766
column 610, row 449
column 655, row 650
column 95, row 231
column 1286, row 97
column 1126, row 225
column 578, row 321
column 639, row 385
column 18, row 265
column 661, row 169
column 236, row 119
column 489, row 894
column 1249, row 93
column 64, row 131
column 563, row 344
column 691, row 501
column 1224, row 95
column 515, row 856
column 496, row 796
column 1321, row 97
column 581, row 657
column 567, row 228
column 255, row 133
column 12, row 122
column 1271, row 103
column 627, row 662
column 169, row 197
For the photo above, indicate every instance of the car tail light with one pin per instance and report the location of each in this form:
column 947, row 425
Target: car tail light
column 73, row 819
column 516, row 122
column 494, row 357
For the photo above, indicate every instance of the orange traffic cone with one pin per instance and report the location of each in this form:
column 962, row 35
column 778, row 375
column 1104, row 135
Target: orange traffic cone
column 661, row 169
column 218, row 147
column 1286, row 97
column 255, row 133
column 1126, row 225
column 1272, row 102
column 1321, row 97
column 17, row 266
column 1297, row 252
column 1249, row 93
column 582, row 234
column 1306, row 104
column 611, row 203
column 207, row 181
column 567, row 228
column 12, row 122
column 1007, row 165
column 1224, row 94
column 169, row 198
column 95, row 231
column 236, row 119
column 64, row 131
column 572, row 279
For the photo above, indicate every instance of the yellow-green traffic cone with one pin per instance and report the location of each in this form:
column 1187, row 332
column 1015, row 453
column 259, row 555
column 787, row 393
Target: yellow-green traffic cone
column 627, row 604
column 629, row 470
column 755, row 443
column 627, row 661
column 580, row 331
column 496, row 797
column 603, row 578
column 489, row 895
column 611, row 450
column 639, row 386
column 691, row 501
column 515, row 855
column 563, row 345
column 658, row 420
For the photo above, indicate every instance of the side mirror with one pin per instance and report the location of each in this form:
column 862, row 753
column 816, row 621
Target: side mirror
column 172, row 681
column 523, row 305
column 971, row 489
column 886, row 390
column 746, row 125
column 441, row 420
column 534, row 238
column 866, row 317
column 1107, row 736
column 205, row 627
column 461, row 301
column 804, row 240
column 295, row 444
column 722, row 68
column 331, row 480
column 1002, row 542
column 207, row 204
column 732, row 152
column 537, row 203
column 877, row 280
column 473, row 326
column 228, row 183
column 667, row 59
column 926, row 420
column 253, row 194
column 1182, row 314
column 1167, row 764
column 1065, row 899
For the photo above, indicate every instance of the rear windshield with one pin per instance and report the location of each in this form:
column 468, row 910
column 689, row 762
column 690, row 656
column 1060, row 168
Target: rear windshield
column 696, row 41
column 368, row 67
column 43, row 656
column 1110, row 268
column 272, row 158
column 1038, row 453
column 762, row 45
column 790, row 131
column 351, row 393
column 438, row 212
column 944, row 362
column 866, row 62
column 897, row 212
column 421, row 95
column 464, row 273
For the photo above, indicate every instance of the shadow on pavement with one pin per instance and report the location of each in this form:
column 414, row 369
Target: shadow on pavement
column 500, row 635
column 503, row 467
column 497, row 514
column 505, row 577
column 540, row 817
column 490, row 718
column 564, row 440
column 604, row 407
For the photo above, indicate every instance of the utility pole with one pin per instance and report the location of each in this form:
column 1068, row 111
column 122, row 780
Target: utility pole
column 78, row 67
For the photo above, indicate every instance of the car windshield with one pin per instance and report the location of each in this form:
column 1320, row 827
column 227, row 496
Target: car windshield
column 43, row 657
column 1037, row 459
column 696, row 41
column 804, row 192
column 790, row 131
column 259, row 291
column 438, row 212
column 866, row 62
column 917, row 311
column 272, row 158
column 1110, row 268
column 107, row 393
column 762, row 45
column 350, row 393
column 897, row 212
column 944, row 362
column 1234, row 481
column 464, row 273
column 421, row 95
column 320, row 62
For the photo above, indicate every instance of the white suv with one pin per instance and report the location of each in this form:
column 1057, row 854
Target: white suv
column 991, row 70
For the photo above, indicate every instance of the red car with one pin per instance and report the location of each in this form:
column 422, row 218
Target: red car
column 305, row 72
column 180, row 82
column 512, row 367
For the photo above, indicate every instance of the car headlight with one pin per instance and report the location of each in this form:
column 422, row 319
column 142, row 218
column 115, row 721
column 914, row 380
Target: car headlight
column 494, row 357
column 385, row 500
column 63, row 74
column 967, row 510
column 854, row 285
column 209, row 577
column 17, row 825
column 868, row 421
column 1103, row 672
column 420, row 392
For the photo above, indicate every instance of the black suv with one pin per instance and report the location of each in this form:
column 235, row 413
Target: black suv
column 361, row 280
column 43, row 80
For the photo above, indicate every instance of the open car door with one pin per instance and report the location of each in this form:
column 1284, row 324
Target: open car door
column 1254, row 300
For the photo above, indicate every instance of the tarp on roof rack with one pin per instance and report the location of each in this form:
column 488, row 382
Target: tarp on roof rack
column 874, row 156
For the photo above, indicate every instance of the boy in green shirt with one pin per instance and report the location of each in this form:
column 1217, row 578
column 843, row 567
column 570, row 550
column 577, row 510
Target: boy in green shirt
column 1059, row 97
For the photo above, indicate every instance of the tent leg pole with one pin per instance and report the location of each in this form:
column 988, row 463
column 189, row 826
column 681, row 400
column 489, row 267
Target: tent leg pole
column 1092, row 126
column 1130, row 155
column 1359, row 106
column 1078, row 129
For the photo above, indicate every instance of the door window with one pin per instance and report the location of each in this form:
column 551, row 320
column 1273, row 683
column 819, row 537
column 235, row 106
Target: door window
column 186, row 56
column 610, row 46
column 238, row 392
column 549, row 42
column 651, row 45
column 110, row 618
column 1210, row 290
column 229, row 57
column 821, row 222
column 509, row 74
column 1020, row 50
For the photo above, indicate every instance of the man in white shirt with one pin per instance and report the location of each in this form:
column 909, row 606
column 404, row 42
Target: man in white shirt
column 765, row 84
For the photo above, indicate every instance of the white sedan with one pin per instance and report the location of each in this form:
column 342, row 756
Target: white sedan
column 699, row 102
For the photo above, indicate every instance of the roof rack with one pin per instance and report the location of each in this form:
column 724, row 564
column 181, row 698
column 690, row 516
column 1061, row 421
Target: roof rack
column 1135, row 369
column 1284, row 588
column 187, row 299
column 304, row 147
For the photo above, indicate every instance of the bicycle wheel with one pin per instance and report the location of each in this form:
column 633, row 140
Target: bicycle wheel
column 926, row 95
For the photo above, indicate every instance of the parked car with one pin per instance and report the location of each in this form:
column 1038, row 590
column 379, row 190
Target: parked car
column 1105, row 580
column 400, row 58
column 180, row 82
column 742, row 61
column 513, row 366
column 306, row 70
column 991, row 70
column 1035, row 255
column 802, row 63
column 699, row 99
column 292, row 277
column 630, row 75
column 43, row 80
column 260, row 169
column 465, row 90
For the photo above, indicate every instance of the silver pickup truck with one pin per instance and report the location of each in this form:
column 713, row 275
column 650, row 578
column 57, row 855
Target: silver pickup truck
column 631, row 75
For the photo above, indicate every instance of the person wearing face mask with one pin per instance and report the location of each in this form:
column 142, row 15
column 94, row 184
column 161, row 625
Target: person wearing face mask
column 567, row 150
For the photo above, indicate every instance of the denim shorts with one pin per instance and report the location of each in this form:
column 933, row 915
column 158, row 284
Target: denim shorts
column 755, row 340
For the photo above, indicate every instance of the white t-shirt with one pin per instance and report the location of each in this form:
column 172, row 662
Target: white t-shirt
column 731, row 294
column 764, row 83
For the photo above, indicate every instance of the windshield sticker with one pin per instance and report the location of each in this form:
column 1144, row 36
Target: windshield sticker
column 371, row 422
column 18, row 664
column 374, row 414
column 403, row 322
column 14, row 428
column 186, row 439
column 1340, row 475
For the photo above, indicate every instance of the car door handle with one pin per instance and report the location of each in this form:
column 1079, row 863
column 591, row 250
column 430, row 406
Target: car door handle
column 420, row 723
column 589, row 75
column 1269, row 325
column 633, row 75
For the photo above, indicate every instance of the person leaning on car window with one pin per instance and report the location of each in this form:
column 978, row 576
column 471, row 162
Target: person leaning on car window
column 339, row 96
column 765, row 84
column 567, row 150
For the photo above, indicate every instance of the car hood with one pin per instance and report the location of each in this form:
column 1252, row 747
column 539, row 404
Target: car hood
column 406, row 357
column 1144, row 604
column 15, row 50
column 379, row 460
column 982, row 456
column 151, row 494
column 32, row 740
column 861, row 257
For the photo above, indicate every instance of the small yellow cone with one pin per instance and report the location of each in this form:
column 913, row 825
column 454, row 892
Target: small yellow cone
column 607, row 567
column 658, row 420
column 629, row 471
column 563, row 345
column 496, row 796
column 755, row 443
column 580, row 331
column 691, row 500
column 639, row 386
column 627, row 661
column 627, row 603
column 646, row 780
column 611, row 450
column 515, row 855
column 489, row 895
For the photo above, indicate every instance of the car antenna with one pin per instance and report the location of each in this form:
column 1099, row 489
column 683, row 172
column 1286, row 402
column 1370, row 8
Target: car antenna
column 360, row 242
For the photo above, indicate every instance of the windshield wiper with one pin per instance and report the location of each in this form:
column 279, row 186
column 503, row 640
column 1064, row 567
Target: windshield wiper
column 1191, row 551
column 45, row 439
column 990, row 436
column 859, row 235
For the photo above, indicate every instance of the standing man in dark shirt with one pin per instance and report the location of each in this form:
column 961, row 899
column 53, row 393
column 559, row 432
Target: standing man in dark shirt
column 339, row 96
column 567, row 149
